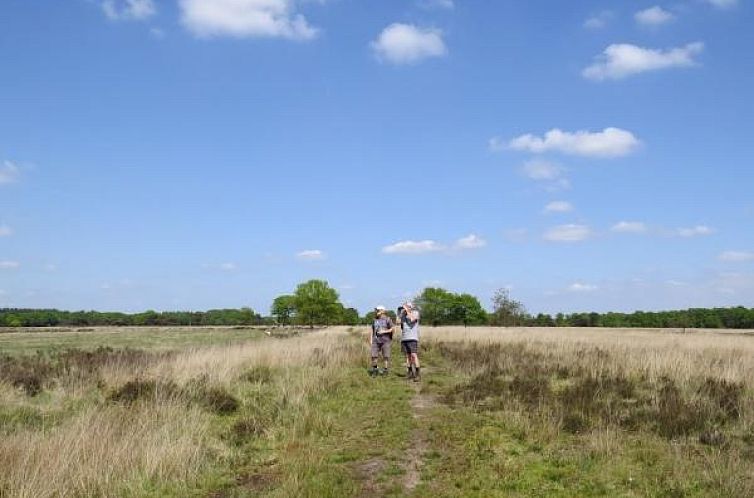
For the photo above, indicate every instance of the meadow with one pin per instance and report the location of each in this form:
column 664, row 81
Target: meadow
column 232, row 412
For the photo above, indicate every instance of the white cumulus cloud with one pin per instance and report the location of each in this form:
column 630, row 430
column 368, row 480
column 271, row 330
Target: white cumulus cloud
column 696, row 231
column 538, row 169
column 9, row 265
column 610, row 142
column 311, row 255
column 128, row 10
column 471, row 241
column 600, row 20
column 736, row 256
column 629, row 227
column 653, row 16
column 558, row 207
column 568, row 233
column 407, row 44
column 413, row 247
column 579, row 287
column 9, row 172
column 623, row 59
column 245, row 19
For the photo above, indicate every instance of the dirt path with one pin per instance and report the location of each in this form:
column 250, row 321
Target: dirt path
column 421, row 404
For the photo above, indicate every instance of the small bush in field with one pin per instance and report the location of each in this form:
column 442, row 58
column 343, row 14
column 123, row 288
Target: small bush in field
column 218, row 400
column 258, row 374
column 246, row 429
column 725, row 394
column 29, row 382
column 133, row 391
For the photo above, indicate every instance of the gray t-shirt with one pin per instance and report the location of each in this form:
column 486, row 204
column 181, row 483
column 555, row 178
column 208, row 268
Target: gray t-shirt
column 380, row 326
column 410, row 326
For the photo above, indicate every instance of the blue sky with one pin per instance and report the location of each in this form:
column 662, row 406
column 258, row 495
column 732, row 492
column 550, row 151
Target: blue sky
column 191, row 154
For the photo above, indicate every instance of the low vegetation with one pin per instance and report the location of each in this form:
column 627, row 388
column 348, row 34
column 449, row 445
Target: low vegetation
column 500, row 412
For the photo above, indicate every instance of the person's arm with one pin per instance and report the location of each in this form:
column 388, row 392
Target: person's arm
column 392, row 326
column 371, row 334
column 412, row 317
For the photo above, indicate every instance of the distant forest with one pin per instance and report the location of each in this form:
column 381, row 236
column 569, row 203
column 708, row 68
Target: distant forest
column 733, row 318
column 316, row 303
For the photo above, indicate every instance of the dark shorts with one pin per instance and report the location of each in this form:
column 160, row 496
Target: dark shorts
column 410, row 346
column 381, row 345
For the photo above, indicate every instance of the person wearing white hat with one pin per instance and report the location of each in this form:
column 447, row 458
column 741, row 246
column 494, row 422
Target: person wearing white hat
column 409, row 318
column 380, row 340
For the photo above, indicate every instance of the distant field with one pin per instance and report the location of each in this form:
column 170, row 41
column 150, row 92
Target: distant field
column 500, row 412
column 30, row 340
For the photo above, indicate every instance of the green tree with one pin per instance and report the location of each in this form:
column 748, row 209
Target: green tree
column 506, row 311
column 437, row 306
column 284, row 309
column 468, row 310
column 349, row 316
column 316, row 303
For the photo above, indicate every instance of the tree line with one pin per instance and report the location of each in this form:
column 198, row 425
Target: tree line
column 316, row 303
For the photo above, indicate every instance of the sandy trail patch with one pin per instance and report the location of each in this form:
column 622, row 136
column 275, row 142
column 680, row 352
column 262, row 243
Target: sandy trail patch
column 421, row 404
column 368, row 472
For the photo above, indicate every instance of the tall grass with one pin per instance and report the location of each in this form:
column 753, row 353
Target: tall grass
column 688, row 399
column 152, row 421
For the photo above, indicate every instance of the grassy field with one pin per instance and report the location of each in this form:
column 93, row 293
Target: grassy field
column 29, row 340
column 500, row 412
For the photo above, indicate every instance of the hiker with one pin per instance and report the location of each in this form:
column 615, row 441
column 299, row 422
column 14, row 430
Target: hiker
column 409, row 318
column 380, row 340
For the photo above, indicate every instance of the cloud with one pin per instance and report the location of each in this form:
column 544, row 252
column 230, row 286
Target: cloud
column 629, row 227
column 245, row 19
column 736, row 256
column 579, row 287
column 696, row 231
column 723, row 4
column 158, row 33
column 436, row 4
column 608, row 143
column 558, row 207
column 568, row 233
column 5, row 231
column 408, row 44
column 547, row 172
column 311, row 255
column 600, row 20
column 622, row 60
column 471, row 241
column 537, row 169
column 128, row 10
column 653, row 16
column 9, row 265
column 413, row 247
column 9, row 172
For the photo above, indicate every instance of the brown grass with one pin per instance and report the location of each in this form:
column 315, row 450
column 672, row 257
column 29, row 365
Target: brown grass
column 152, row 420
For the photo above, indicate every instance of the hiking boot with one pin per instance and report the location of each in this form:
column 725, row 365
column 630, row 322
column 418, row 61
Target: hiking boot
column 373, row 372
column 417, row 375
column 409, row 373
column 384, row 371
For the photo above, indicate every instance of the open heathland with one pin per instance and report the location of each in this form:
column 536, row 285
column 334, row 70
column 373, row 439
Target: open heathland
column 253, row 412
